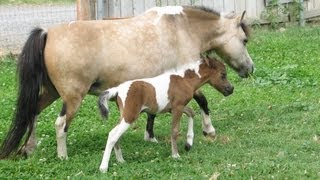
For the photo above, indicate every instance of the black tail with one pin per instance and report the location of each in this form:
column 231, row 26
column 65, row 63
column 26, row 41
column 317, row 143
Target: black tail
column 32, row 73
column 104, row 110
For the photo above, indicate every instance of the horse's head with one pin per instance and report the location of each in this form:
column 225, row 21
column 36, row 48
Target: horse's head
column 232, row 48
column 218, row 77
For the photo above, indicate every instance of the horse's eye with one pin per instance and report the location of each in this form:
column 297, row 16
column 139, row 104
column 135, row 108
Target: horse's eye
column 245, row 41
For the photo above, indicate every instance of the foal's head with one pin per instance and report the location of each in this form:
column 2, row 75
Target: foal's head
column 218, row 77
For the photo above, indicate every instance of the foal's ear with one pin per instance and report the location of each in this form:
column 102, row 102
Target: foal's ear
column 206, row 60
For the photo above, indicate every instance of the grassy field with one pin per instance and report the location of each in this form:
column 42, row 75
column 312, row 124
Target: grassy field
column 268, row 129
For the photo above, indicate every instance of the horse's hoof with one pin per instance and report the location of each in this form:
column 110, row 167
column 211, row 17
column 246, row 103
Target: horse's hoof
column 211, row 135
column 154, row 140
column 25, row 152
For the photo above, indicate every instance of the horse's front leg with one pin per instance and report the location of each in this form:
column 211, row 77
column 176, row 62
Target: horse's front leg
column 176, row 116
column 71, row 105
column 208, row 129
column 149, row 134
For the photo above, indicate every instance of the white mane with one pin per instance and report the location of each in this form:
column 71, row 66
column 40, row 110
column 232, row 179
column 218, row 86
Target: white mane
column 171, row 10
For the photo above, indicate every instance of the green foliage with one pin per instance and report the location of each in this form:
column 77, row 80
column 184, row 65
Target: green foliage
column 275, row 11
column 268, row 129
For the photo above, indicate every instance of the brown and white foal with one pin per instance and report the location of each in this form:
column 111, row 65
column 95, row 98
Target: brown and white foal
column 168, row 92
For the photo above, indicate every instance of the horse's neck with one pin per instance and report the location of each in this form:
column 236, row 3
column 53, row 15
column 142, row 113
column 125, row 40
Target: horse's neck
column 207, row 31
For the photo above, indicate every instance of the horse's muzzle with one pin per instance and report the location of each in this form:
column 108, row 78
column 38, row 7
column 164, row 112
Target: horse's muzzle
column 244, row 73
column 228, row 90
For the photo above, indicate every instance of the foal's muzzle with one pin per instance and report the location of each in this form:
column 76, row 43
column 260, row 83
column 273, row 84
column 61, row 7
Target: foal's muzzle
column 228, row 90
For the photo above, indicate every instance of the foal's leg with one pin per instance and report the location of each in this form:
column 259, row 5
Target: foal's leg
column 190, row 134
column 113, row 138
column 70, row 107
column 118, row 152
column 208, row 129
column 148, row 134
column 46, row 98
column 176, row 115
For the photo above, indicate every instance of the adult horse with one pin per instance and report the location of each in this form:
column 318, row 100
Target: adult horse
column 72, row 60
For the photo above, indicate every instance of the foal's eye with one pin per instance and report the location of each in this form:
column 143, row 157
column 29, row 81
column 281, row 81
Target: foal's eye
column 223, row 75
column 245, row 41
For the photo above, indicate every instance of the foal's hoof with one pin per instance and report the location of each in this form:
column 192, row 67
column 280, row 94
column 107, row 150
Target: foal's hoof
column 103, row 169
column 63, row 157
column 187, row 147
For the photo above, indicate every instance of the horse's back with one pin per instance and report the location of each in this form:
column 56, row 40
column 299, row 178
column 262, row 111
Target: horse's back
column 109, row 52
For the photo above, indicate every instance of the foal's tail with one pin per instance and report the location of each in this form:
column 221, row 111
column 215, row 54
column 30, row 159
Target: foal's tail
column 103, row 101
column 32, row 73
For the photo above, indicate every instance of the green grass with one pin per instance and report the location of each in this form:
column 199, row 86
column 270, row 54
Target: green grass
column 267, row 129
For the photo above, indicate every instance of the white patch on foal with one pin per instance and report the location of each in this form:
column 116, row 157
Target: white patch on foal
column 190, row 134
column 161, row 85
column 113, row 138
column 171, row 10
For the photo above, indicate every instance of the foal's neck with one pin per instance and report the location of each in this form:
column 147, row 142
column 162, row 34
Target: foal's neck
column 197, row 79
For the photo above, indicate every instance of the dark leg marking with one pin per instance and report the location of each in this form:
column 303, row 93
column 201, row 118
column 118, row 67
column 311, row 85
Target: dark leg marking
column 150, row 122
column 202, row 102
column 62, row 113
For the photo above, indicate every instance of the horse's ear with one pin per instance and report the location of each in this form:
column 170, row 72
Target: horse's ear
column 243, row 14
column 241, row 18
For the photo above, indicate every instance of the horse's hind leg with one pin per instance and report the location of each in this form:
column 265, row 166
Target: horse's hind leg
column 47, row 97
column 70, row 106
column 149, row 134
column 208, row 129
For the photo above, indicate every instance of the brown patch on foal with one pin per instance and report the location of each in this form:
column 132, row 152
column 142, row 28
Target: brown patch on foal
column 180, row 91
column 140, row 94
